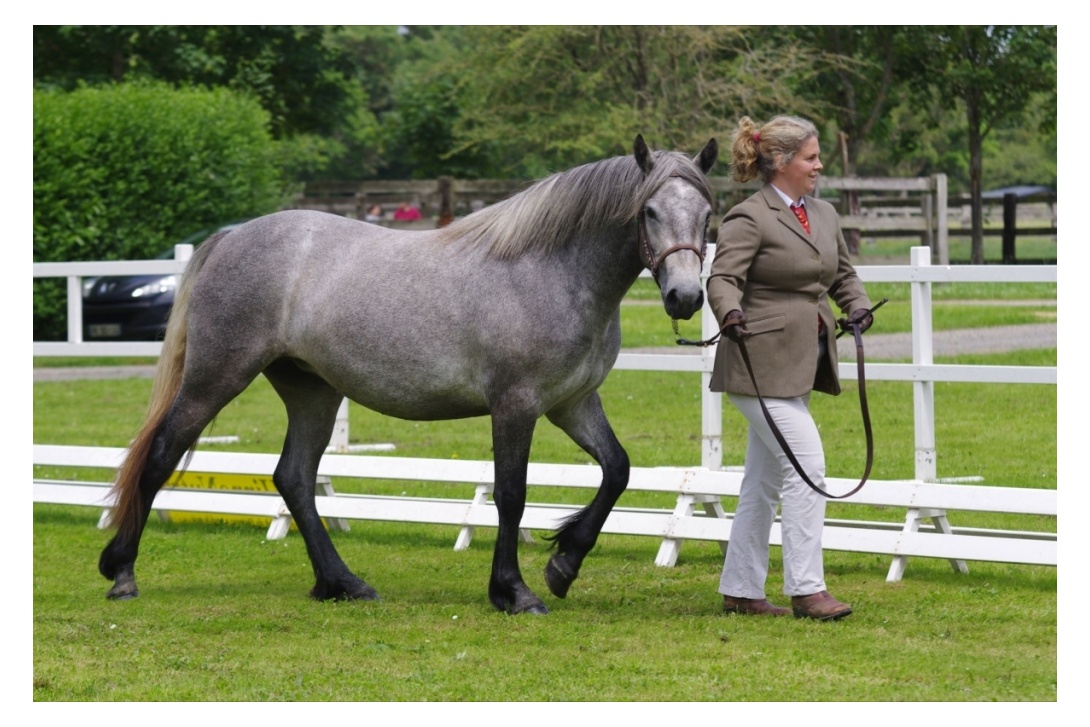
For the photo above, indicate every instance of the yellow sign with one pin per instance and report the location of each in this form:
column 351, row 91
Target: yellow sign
column 219, row 481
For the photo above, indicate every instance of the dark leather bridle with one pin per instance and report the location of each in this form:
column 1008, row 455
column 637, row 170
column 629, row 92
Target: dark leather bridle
column 845, row 326
column 647, row 255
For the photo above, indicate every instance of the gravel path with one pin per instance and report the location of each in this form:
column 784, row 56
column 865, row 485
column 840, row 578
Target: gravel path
column 876, row 347
column 898, row 346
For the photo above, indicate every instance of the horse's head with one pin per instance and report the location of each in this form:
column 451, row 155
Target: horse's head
column 673, row 224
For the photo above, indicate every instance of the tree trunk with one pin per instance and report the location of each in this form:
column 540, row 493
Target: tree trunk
column 851, row 237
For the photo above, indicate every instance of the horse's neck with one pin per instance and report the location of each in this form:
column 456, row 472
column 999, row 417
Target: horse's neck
column 604, row 263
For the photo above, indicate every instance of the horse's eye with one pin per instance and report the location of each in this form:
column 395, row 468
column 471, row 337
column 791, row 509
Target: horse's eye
column 651, row 214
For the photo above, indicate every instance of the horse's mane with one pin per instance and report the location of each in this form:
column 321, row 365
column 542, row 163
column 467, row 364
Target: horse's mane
column 546, row 215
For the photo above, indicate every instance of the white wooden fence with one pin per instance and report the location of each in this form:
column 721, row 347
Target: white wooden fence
column 698, row 513
column 696, row 503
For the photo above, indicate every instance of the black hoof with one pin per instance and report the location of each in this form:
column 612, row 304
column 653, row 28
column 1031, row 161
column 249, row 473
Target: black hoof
column 541, row 610
column 124, row 586
column 558, row 578
column 123, row 591
column 344, row 594
column 534, row 607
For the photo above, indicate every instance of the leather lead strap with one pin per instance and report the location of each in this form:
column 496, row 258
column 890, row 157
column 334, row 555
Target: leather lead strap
column 844, row 325
column 862, row 404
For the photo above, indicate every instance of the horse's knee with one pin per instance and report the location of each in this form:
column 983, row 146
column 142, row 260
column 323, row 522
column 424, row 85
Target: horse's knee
column 615, row 473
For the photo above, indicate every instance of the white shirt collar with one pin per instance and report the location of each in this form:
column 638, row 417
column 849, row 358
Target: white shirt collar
column 785, row 198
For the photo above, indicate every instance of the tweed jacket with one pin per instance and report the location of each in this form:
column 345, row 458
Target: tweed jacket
column 781, row 278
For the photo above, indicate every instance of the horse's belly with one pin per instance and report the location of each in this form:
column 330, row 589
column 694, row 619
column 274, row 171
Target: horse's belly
column 407, row 394
column 422, row 408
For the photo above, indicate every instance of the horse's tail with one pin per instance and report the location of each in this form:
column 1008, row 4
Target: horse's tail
column 128, row 509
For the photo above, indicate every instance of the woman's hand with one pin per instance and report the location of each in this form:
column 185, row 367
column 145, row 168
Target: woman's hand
column 863, row 317
column 734, row 326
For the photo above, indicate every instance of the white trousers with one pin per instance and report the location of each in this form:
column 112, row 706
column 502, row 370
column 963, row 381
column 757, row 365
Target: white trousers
column 769, row 479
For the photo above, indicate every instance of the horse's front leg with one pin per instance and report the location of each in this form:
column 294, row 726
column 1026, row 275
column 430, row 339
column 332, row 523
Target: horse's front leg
column 585, row 422
column 511, row 437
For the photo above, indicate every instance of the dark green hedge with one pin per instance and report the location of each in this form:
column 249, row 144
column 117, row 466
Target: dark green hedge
column 123, row 172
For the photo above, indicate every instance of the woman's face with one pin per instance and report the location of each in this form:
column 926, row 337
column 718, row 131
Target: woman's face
column 801, row 173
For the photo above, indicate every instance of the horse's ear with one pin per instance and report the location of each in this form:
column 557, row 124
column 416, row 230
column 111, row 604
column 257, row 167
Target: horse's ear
column 707, row 156
column 642, row 153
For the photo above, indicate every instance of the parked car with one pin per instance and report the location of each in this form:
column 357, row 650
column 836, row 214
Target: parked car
column 134, row 307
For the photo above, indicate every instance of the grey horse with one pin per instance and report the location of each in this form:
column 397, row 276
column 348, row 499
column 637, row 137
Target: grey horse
column 512, row 312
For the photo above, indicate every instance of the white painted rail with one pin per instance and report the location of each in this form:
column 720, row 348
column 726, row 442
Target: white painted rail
column 697, row 514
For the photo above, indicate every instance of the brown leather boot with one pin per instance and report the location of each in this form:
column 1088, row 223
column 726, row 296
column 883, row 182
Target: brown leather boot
column 820, row 606
column 752, row 607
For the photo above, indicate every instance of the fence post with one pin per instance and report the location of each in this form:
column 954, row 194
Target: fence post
column 711, row 402
column 923, row 354
column 942, row 231
column 75, row 308
column 1010, row 223
column 338, row 441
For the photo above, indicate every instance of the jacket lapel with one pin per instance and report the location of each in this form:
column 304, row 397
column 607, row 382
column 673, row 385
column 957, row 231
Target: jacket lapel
column 785, row 216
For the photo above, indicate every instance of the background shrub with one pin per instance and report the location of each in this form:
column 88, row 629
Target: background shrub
column 123, row 172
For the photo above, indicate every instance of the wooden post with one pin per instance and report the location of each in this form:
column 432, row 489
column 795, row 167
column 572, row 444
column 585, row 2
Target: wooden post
column 942, row 231
column 446, row 205
column 1010, row 217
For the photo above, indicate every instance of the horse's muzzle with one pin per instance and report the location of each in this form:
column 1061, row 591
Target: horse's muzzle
column 682, row 302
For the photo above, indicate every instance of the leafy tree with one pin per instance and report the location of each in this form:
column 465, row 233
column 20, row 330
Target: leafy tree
column 535, row 99
column 308, row 85
column 428, row 93
column 1024, row 153
column 995, row 71
column 854, row 87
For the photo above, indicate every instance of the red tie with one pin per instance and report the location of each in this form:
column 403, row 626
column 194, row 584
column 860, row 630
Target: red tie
column 800, row 212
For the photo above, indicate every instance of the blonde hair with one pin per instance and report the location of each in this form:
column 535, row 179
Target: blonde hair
column 761, row 152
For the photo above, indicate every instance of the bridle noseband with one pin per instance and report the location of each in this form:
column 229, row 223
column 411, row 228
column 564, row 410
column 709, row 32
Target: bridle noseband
column 647, row 255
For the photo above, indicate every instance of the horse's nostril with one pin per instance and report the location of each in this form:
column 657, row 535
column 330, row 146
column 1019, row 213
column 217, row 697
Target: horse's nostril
column 682, row 304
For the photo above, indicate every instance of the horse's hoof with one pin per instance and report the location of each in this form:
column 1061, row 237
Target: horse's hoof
column 122, row 592
column 558, row 578
column 364, row 593
column 537, row 608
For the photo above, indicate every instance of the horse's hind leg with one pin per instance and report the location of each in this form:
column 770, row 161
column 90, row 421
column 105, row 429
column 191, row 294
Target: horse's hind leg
column 193, row 408
column 585, row 422
column 312, row 411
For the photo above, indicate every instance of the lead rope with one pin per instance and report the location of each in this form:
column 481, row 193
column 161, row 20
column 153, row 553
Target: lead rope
column 845, row 326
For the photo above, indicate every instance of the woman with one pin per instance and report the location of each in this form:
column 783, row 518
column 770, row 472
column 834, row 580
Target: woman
column 773, row 273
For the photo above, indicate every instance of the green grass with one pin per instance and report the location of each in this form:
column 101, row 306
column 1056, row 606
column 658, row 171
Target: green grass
column 1026, row 248
column 223, row 616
